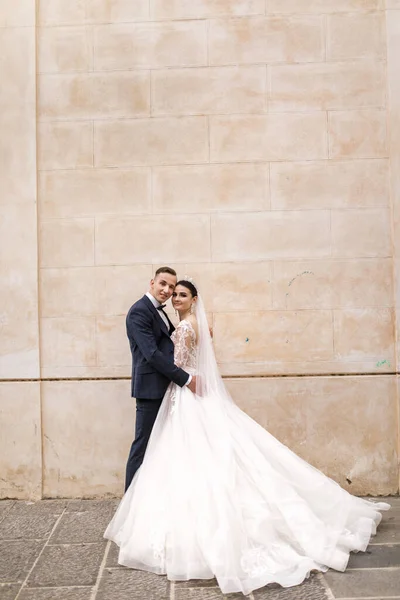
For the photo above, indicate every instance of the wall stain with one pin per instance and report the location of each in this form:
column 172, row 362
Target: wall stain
column 383, row 363
column 299, row 275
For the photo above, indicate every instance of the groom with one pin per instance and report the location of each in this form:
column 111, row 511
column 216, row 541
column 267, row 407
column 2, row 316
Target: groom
column 149, row 330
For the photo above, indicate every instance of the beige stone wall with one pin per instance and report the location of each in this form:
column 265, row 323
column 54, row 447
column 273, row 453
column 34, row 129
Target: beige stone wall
column 252, row 144
column 20, row 422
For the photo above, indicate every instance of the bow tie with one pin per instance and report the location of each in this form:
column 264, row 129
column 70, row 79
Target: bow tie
column 161, row 306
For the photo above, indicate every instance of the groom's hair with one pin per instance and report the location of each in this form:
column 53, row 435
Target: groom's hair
column 165, row 270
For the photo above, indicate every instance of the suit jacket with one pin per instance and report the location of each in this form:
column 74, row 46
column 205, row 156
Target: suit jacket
column 152, row 352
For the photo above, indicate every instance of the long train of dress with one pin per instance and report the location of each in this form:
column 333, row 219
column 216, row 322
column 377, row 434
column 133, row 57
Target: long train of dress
column 217, row 495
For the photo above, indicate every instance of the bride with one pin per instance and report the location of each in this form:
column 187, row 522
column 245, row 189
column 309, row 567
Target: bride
column 218, row 496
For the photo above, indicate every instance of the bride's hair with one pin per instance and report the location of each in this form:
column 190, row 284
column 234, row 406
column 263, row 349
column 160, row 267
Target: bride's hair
column 189, row 285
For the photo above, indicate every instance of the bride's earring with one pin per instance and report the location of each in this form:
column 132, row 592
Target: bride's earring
column 176, row 312
column 191, row 309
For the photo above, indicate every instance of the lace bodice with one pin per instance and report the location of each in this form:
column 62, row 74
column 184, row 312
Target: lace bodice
column 184, row 338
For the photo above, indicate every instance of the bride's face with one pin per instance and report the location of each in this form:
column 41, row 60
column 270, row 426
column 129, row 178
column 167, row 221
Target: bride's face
column 182, row 299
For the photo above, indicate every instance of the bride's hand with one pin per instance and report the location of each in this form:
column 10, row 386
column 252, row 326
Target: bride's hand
column 192, row 384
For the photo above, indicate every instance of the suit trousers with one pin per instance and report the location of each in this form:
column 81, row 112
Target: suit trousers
column 146, row 414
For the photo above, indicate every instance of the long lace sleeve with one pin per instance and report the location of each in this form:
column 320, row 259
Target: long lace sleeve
column 184, row 339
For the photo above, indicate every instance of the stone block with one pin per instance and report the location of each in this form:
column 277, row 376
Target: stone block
column 142, row 142
column 127, row 584
column 273, row 337
column 94, row 192
column 83, row 527
column 202, row 9
column 31, row 521
column 19, row 340
column 115, row 243
column 364, row 583
column 17, row 15
column 94, row 95
column 20, row 440
column 69, row 565
column 16, row 559
column 57, row 12
column 324, row 86
column 363, row 232
column 65, row 145
column 265, row 40
column 17, row 73
column 18, row 152
column 356, row 36
column 329, row 184
column 68, row 342
column 357, row 134
column 150, row 45
column 322, row 6
column 209, row 90
column 66, row 242
column 273, row 137
column 365, row 333
column 76, row 415
column 327, row 283
column 65, row 49
column 210, row 188
column 267, row 235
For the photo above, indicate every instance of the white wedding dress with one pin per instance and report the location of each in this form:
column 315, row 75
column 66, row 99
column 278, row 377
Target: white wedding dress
column 218, row 496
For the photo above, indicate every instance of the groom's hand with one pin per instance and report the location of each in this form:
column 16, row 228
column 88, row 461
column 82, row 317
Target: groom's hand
column 192, row 384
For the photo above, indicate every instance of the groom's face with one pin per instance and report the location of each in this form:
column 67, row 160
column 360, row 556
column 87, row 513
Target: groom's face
column 162, row 286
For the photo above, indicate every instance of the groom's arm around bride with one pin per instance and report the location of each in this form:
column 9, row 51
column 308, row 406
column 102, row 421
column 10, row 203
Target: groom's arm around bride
column 149, row 332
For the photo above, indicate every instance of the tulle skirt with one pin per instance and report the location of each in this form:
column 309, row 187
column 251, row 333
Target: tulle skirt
column 218, row 496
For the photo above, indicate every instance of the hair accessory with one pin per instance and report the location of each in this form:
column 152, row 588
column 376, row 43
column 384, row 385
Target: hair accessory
column 190, row 280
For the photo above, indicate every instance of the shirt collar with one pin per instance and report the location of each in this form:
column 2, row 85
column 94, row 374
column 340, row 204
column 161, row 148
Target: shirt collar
column 153, row 300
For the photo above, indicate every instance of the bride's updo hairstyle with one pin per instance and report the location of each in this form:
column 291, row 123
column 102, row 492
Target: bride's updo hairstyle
column 189, row 285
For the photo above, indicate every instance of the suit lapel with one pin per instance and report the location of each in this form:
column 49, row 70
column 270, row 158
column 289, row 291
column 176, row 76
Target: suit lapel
column 153, row 309
column 171, row 325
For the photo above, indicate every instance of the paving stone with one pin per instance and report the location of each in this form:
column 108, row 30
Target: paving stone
column 68, row 570
column 128, row 584
column 5, row 506
column 394, row 501
column 17, row 558
column 9, row 591
column 201, row 593
column 76, row 564
column 83, row 526
column 61, row 593
column 92, row 505
column 31, row 520
column 388, row 530
column 364, row 583
column 196, row 583
column 376, row 556
column 112, row 557
column 311, row 589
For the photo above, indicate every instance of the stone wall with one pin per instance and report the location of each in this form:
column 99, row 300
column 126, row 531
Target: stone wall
column 253, row 144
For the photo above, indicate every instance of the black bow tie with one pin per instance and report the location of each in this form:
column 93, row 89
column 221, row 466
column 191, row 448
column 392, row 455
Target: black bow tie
column 161, row 306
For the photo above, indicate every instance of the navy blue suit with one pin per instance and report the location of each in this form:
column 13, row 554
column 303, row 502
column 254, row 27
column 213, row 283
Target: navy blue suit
column 153, row 369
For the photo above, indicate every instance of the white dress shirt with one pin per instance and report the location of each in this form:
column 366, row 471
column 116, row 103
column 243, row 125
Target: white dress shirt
column 156, row 304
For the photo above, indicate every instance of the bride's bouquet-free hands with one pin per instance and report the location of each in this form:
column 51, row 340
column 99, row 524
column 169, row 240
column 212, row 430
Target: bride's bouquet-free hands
column 193, row 384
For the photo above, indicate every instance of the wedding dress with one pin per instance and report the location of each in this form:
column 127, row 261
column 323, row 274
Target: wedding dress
column 218, row 496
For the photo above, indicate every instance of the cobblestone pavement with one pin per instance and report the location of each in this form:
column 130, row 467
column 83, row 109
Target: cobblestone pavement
column 54, row 550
